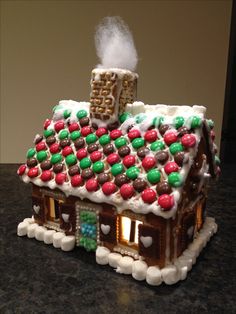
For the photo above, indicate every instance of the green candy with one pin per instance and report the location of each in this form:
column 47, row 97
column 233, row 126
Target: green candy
column 154, row 176
column 48, row 133
column 56, row 158
column 132, row 172
column 158, row 145
column 63, row 134
column 124, row 116
column 81, row 114
column 30, row 153
column 98, row 166
column 217, row 160
column 140, row 117
column 71, row 160
column 175, row 148
column 42, row 155
column 74, row 135
column 121, row 141
column 117, row 169
column 66, row 113
column 104, row 139
column 175, row 179
column 138, row 142
column 156, row 121
column 178, row 122
column 91, row 138
column 85, row 163
column 195, row 122
column 210, row 123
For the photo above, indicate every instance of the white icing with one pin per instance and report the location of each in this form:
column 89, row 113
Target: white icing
column 36, row 208
column 105, row 228
column 146, row 241
column 120, row 72
column 65, row 217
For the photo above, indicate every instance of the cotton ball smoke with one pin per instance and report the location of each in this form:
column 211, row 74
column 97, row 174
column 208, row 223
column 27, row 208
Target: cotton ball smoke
column 114, row 45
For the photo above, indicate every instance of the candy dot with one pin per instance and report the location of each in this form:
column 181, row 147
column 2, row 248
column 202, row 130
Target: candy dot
column 148, row 162
column 124, row 116
column 129, row 161
column 117, row 169
column 95, row 156
column 121, row 141
column 170, row 137
column 21, row 170
column 158, row 145
column 113, row 158
column 91, row 185
column 108, row 188
column 166, row 201
column 114, row 134
column 81, row 153
column 66, row 113
column 175, row 148
column 74, row 135
column 148, row 196
column 40, row 146
column 67, row 151
column 56, row 158
column 46, row 124
column 154, row 176
column 85, row 163
column 178, row 122
column 58, row 126
column 195, row 122
column 175, row 179
column 104, row 139
column 150, row 136
column 54, row 148
column 33, row 172
column 134, row 133
column 46, row 175
column 91, row 138
column 98, row 166
column 171, row 167
column 63, row 134
column 30, row 153
column 81, row 114
column 101, row 131
column 71, row 160
column 188, row 140
column 73, row 127
column 76, row 180
column 60, row 178
column 48, row 133
column 140, row 118
column 86, row 130
column 138, row 142
column 126, row 191
column 41, row 155
column 132, row 172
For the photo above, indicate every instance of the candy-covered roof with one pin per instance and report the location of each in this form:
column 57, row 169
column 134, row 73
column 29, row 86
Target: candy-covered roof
column 141, row 163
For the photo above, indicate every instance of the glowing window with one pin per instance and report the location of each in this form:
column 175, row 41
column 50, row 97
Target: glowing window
column 129, row 230
column 53, row 209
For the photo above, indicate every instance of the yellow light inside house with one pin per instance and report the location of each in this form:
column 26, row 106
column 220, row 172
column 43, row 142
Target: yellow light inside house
column 126, row 225
column 138, row 222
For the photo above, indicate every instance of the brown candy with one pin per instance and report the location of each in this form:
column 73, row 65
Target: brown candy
column 142, row 152
column 139, row 184
column 123, row 151
column 46, row 165
column 84, row 121
column 163, row 187
column 113, row 126
column 32, row 162
column 92, row 147
column 130, row 127
column 79, row 143
column 103, row 177
column 182, row 130
column 74, row 170
column 87, row 173
column 162, row 157
column 50, row 140
column 38, row 139
column 95, row 126
column 65, row 142
column 179, row 158
column 58, row 167
column 163, row 128
column 108, row 149
column 121, row 179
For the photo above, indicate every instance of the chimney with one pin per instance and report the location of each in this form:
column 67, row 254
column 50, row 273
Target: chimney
column 111, row 90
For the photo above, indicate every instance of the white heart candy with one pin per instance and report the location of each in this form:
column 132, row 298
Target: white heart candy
column 65, row 217
column 105, row 228
column 147, row 241
column 36, row 208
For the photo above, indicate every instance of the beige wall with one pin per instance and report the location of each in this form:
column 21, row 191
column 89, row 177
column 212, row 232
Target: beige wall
column 47, row 53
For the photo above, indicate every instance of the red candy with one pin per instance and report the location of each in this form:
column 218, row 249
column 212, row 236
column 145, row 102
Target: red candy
column 21, row 170
column 212, row 134
column 129, row 161
column 40, row 146
column 46, row 175
column 81, row 153
column 166, row 201
column 86, row 130
column 113, row 158
column 170, row 137
column 188, row 140
column 76, row 180
column 114, row 134
column 148, row 196
column 150, row 136
column 91, row 185
column 73, row 127
column 60, row 178
column 108, row 188
column 59, row 125
column 101, row 131
column 126, row 191
column 54, row 148
column 171, row 167
column 67, row 151
column 33, row 172
column 46, row 124
column 148, row 162
column 134, row 134
column 95, row 156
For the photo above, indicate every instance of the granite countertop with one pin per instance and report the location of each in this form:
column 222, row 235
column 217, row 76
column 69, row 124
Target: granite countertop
column 36, row 278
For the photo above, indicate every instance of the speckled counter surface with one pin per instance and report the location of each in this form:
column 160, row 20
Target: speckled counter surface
column 36, row 278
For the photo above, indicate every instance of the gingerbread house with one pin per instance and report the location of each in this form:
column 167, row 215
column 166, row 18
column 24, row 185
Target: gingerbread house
column 124, row 179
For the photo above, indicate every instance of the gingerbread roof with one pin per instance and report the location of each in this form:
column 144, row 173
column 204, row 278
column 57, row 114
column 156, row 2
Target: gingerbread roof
column 139, row 163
